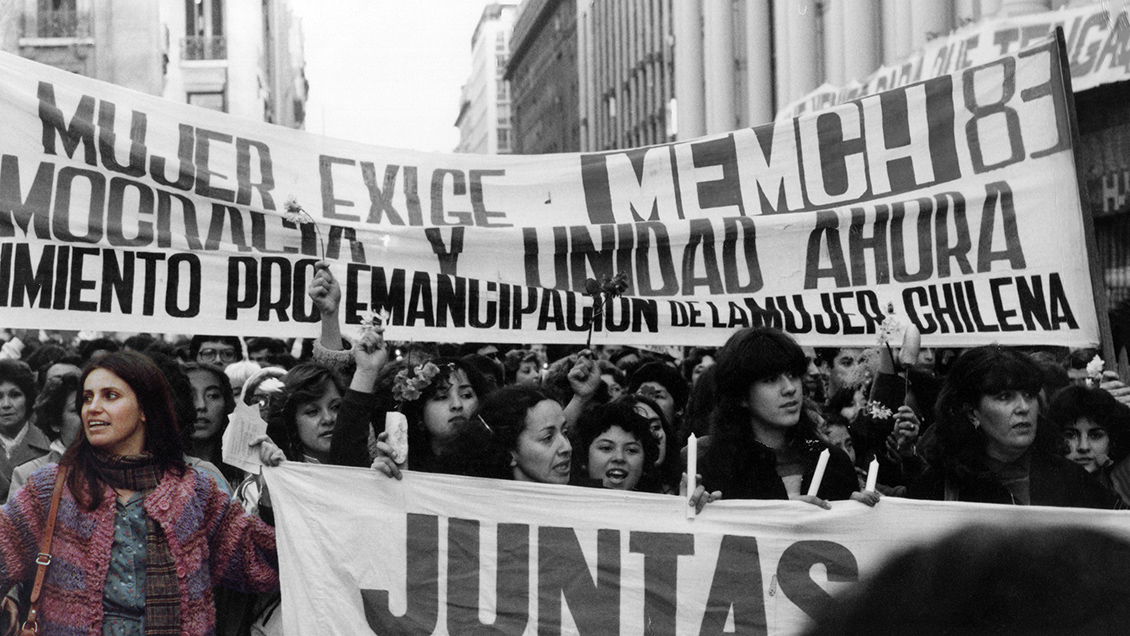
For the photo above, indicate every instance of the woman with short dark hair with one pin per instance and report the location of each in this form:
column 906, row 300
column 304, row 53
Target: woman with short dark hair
column 615, row 448
column 1096, row 431
column 19, row 441
column 56, row 417
column 529, row 435
column 995, row 445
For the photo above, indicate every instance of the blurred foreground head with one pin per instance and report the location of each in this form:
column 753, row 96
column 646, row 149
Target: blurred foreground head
column 1004, row 582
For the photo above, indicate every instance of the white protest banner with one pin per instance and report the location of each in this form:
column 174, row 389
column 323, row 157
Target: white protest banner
column 1097, row 46
column 432, row 554
column 954, row 201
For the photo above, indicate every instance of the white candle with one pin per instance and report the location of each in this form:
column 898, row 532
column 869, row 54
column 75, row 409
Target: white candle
column 692, row 472
column 872, row 475
column 818, row 476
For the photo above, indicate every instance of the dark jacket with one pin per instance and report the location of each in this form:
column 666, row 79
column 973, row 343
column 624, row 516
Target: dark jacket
column 350, row 443
column 747, row 469
column 1053, row 481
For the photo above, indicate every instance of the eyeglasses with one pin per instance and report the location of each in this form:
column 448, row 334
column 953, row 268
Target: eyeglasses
column 211, row 355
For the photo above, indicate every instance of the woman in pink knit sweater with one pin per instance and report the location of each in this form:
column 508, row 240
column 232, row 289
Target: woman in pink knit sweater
column 140, row 538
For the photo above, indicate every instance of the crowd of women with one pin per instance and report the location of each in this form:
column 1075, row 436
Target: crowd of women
column 133, row 429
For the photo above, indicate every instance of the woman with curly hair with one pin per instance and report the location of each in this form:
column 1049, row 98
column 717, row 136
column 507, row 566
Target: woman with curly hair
column 615, row 448
column 763, row 443
column 665, row 468
column 994, row 443
column 1095, row 428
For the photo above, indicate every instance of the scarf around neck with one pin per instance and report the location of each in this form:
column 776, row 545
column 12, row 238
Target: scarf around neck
column 142, row 473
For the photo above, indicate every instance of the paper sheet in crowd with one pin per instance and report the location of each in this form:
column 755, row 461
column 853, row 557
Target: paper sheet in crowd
column 244, row 425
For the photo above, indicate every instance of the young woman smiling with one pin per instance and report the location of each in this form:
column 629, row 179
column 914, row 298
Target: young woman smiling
column 615, row 447
column 137, row 528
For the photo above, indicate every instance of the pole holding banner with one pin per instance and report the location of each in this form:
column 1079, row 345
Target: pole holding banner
column 1098, row 286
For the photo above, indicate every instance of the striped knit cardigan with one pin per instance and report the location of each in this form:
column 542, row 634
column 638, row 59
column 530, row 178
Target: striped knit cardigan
column 213, row 542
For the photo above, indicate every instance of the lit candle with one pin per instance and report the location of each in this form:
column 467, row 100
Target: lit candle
column 692, row 472
column 872, row 475
column 818, row 476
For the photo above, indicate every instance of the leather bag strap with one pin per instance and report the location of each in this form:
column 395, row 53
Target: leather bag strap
column 31, row 625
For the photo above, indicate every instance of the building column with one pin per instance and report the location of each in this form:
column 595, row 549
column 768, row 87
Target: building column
column 759, row 62
column 689, row 89
column 896, row 31
column 930, row 19
column 781, row 76
column 799, row 43
column 718, row 65
column 861, row 52
column 834, row 42
column 586, row 91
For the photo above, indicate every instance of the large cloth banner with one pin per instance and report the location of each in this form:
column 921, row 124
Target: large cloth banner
column 952, row 202
column 432, row 554
column 1097, row 47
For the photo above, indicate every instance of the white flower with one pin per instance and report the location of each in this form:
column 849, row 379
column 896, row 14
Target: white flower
column 1095, row 367
column 892, row 327
column 271, row 385
column 373, row 320
column 878, row 411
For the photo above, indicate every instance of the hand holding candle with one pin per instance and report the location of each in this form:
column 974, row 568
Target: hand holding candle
column 692, row 472
column 818, row 476
column 872, row 475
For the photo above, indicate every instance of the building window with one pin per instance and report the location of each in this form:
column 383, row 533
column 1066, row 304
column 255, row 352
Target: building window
column 57, row 19
column 503, row 139
column 211, row 101
column 204, row 31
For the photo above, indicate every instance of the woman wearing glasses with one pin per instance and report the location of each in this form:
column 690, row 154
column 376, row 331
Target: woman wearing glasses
column 218, row 350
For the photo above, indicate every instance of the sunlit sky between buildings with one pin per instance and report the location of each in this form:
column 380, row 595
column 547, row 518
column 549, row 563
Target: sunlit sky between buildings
column 387, row 72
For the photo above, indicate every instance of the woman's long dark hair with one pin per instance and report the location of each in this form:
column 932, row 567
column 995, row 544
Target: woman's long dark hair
column 749, row 356
column 162, row 435
column 976, row 373
column 419, row 438
column 305, row 383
